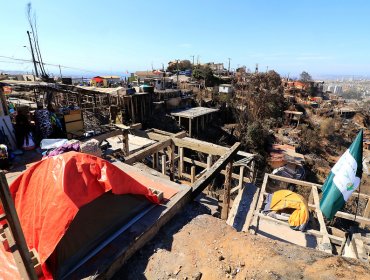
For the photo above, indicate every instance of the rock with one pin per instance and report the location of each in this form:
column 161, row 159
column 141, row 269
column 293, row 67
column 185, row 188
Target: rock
column 197, row 276
column 228, row 269
column 221, row 258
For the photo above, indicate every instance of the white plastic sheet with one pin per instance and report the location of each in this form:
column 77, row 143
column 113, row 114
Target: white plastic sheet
column 47, row 144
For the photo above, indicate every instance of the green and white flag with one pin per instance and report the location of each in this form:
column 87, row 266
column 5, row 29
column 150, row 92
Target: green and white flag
column 343, row 179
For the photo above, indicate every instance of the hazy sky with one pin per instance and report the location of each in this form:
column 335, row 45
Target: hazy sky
column 318, row 36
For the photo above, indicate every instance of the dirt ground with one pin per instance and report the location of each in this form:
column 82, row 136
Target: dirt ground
column 195, row 245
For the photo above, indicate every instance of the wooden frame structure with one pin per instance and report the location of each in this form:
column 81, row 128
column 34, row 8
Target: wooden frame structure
column 198, row 116
column 169, row 156
column 328, row 236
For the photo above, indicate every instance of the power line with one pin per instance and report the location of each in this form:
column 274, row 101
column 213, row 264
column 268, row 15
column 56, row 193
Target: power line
column 13, row 62
column 50, row 64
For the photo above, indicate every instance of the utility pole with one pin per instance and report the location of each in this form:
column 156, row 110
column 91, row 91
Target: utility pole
column 197, row 59
column 33, row 56
column 177, row 70
column 228, row 69
column 256, row 68
column 60, row 71
column 193, row 59
column 267, row 69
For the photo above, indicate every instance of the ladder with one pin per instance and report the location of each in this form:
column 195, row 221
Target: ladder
column 12, row 237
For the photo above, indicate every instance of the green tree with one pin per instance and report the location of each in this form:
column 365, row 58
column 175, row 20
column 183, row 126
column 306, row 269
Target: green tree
column 204, row 73
column 181, row 65
column 262, row 96
column 305, row 77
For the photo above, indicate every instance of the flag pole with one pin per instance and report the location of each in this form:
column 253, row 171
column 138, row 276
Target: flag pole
column 359, row 187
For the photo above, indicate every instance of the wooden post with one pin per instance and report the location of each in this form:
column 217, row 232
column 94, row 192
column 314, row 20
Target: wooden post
column 325, row 242
column 132, row 110
column 155, row 160
column 209, row 164
column 197, row 124
column 172, row 161
column 125, row 149
column 192, row 174
column 164, row 164
column 141, row 110
column 241, row 176
column 190, row 127
column 227, row 188
column 253, row 220
column 366, row 213
column 181, row 161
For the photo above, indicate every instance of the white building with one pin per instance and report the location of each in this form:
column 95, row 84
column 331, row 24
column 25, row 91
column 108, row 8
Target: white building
column 225, row 88
column 338, row 90
column 112, row 79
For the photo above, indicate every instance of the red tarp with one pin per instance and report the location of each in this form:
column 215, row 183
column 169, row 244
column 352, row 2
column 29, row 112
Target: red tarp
column 98, row 79
column 48, row 195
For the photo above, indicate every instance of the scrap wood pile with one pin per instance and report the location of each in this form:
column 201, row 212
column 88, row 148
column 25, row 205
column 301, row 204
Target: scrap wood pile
column 92, row 121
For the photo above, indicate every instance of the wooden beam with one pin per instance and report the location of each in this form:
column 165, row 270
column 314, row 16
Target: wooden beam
column 326, row 245
column 161, row 132
column 180, row 134
column 210, row 174
column 105, row 136
column 347, row 216
column 258, row 208
column 305, row 183
column 366, row 213
column 245, row 154
column 194, row 162
column 200, row 146
column 333, row 238
column 139, row 155
column 227, row 187
column 293, row 181
column 193, row 144
column 250, row 214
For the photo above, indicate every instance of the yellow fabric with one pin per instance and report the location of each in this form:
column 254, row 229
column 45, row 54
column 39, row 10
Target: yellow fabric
column 287, row 199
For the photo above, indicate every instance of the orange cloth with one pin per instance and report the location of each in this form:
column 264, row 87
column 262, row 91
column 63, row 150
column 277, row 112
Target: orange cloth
column 47, row 196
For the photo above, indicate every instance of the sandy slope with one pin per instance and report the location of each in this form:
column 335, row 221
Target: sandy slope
column 195, row 244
